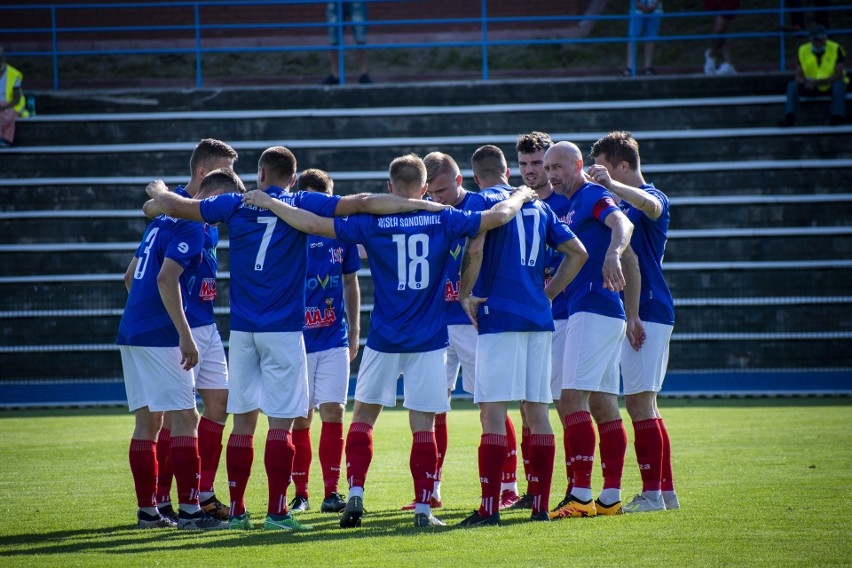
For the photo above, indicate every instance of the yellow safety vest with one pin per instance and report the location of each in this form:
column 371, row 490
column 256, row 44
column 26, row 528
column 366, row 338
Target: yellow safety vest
column 13, row 75
column 824, row 68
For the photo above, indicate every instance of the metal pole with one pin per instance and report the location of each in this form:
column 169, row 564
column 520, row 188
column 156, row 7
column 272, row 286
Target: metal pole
column 55, row 54
column 198, row 78
column 484, row 40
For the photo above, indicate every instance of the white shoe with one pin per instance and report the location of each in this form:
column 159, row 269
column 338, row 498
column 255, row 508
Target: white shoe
column 726, row 69
column 670, row 499
column 641, row 504
column 709, row 63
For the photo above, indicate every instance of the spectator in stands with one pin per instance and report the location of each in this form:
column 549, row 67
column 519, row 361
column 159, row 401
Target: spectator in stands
column 13, row 104
column 644, row 23
column 355, row 12
column 819, row 72
column 718, row 45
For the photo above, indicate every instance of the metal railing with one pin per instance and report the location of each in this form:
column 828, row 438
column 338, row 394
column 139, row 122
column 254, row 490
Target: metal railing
column 484, row 23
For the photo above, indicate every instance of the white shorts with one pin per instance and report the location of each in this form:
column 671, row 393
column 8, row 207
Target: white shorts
column 423, row 379
column 513, row 365
column 644, row 370
column 153, row 377
column 557, row 357
column 212, row 369
column 328, row 376
column 269, row 371
column 592, row 350
column 461, row 352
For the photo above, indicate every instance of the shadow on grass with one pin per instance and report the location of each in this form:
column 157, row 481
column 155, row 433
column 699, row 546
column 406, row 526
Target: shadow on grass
column 124, row 538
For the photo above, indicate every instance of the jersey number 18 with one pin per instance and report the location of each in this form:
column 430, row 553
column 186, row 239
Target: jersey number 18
column 412, row 266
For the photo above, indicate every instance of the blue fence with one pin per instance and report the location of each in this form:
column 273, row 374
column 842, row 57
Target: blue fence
column 484, row 22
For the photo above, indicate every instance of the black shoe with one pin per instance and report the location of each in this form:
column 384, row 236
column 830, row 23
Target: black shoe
column 626, row 72
column 5, row 143
column 835, row 120
column 525, row 502
column 540, row 516
column 199, row 521
column 168, row 512
column 351, row 515
column 334, row 503
column 649, row 71
column 477, row 520
column 330, row 80
column 299, row 504
column 146, row 521
column 789, row 120
column 216, row 509
column 365, row 79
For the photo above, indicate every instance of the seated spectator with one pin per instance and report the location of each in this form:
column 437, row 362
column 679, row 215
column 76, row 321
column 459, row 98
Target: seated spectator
column 13, row 104
column 819, row 72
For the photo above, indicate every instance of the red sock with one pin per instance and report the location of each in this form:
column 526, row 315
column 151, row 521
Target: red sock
column 649, row 452
column 542, row 454
column 613, row 447
column 278, row 460
column 569, row 472
column 238, row 460
column 492, row 454
column 667, row 482
column 330, row 455
column 302, row 460
column 525, row 453
column 164, row 474
column 359, row 453
column 441, row 442
column 510, row 464
column 187, row 467
column 581, row 441
column 209, row 450
column 143, row 466
column 423, row 463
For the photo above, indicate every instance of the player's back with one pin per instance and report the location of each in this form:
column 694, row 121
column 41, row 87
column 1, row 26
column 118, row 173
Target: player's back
column 267, row 259
column 407, row 254
column 145, row 321
column 201, row 283
column 513, row 266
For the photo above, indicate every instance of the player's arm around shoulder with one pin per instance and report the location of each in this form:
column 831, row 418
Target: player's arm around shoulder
column 505, row 210
column 382, row 204
column 172, row 204
column 637, row 197
column 299, row 219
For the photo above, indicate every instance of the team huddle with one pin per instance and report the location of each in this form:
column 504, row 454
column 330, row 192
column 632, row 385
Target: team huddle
column 549, row 292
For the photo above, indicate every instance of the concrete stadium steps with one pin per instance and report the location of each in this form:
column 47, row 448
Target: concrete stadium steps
column 744, row 283
column 309, row 124
column 737, row 354
column 367, row 96
column 374, row 154
column 102, row 230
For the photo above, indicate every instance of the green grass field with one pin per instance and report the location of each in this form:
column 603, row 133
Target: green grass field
column 761, row 482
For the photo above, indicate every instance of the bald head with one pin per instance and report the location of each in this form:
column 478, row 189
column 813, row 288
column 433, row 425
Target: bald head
column 563, row 164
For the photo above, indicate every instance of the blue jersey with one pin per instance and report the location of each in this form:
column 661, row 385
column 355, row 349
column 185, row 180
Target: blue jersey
column 201, row 284
column 560, row 206
column 513, row 265
column 328, row 261
column 267, row 259
column 408, row 255
column 455, row 313
column 649, row 244
column 590, row 206
column 145, row 321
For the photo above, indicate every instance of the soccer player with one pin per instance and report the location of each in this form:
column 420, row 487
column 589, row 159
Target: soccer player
column 617, row 167
column 531, row 148
column 444, row 186
column 267, row 359
column 596, row 327
column 211, row 374
column 158, row 352
column 331, row 343
column 407, row 255
column 512, row 313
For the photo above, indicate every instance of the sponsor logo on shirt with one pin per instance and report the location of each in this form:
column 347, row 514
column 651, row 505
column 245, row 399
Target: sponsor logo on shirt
column 455, row 252
column 208, row 290
column 316, row 318
column 325, row 282
column 336, row 255
column 451, row 291
column 183, row 247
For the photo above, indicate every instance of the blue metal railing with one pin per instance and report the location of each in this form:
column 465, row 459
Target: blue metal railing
column 483, row 21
